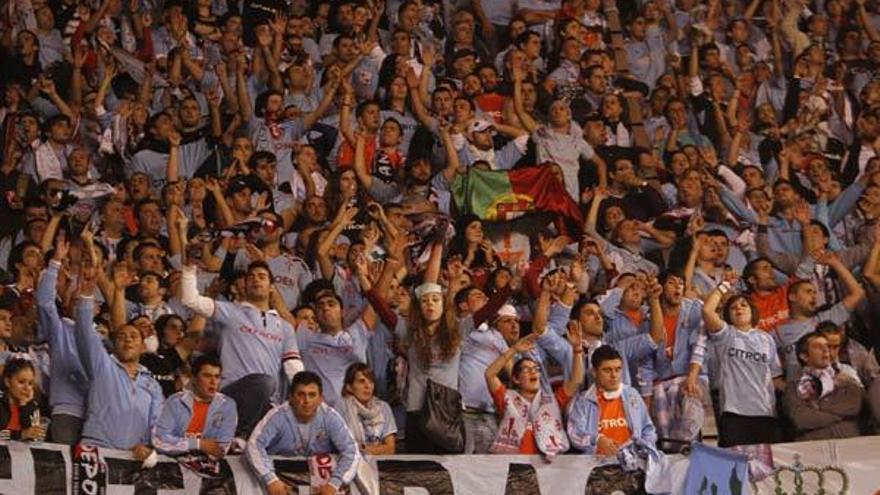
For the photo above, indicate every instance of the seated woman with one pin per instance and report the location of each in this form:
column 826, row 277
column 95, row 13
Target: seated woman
column 369, row 418
column 531, row 420
column 19, row 407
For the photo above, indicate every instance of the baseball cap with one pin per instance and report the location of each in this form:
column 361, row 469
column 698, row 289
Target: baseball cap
column 428, row 288
column 480, row 125
column 506, row 310
column 238, row 183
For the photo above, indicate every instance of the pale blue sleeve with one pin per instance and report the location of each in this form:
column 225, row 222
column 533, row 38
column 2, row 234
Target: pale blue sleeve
column 580, row 434
column 166, row 436
column 343, row 442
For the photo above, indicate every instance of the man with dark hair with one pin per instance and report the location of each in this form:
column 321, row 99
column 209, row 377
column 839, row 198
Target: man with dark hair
column 124, row 399
column 201, row 419
column 804, row 315
column 823, row 402
column 609, row 416
column 256, row 343
column 303, row 426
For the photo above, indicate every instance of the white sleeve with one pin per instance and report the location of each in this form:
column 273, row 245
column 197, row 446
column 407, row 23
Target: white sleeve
column 190, row 297
column 293, row 366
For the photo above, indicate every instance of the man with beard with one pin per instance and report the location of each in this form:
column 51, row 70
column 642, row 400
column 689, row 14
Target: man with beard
column 290, row 273
column 193, row 147
column 256, row 343
column 49, row 159
column 633, row 344
column 331, row 350
column 803, row 314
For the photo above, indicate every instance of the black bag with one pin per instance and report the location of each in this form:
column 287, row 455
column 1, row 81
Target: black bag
column 441, row 420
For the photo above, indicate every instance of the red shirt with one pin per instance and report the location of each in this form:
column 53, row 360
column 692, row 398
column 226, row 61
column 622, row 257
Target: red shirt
column 14, row 420
column 199, row 417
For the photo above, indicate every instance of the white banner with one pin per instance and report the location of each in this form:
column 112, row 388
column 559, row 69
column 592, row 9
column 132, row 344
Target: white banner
column 47, row 469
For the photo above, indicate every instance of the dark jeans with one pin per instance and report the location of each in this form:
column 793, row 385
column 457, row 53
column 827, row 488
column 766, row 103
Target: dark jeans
column 65, row 429
column 734, row 429
column 253, row 398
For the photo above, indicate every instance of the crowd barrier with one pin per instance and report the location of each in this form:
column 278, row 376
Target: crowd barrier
column 842, row 466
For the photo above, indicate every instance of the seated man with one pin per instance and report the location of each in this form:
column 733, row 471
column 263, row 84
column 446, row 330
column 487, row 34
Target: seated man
column 201, row 419
column 822, row 402
column 609, row 416
column 124, row 398
column 305, row 426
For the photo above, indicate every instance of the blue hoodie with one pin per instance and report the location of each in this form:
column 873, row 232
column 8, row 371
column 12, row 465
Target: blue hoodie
column 121, row 411
column 68, row 381
column 170, row 431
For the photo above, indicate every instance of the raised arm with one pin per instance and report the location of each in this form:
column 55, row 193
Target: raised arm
column 91, row 350
column 658, row 329
column 854, row 290
column 523, row 345
column 712, row 321
column 453, row 164
column 360, row 163
column 527, row 120
column 575, row 379
column 189, row 294
column 343, row 217
column 330, row 90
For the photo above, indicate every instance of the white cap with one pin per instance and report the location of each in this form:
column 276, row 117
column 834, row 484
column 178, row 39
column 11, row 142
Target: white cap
column 428, row 288
column 506, row 310
column 480, row 125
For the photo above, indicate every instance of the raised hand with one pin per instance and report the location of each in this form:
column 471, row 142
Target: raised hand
column 575, row 334
column 525, row 344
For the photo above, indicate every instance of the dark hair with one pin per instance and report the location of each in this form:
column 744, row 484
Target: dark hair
column 750, row 268
column 803, row 343
column 822, row 227
column 262, row 100
column 306, row 378
column 16, row 256
column 829, row 327
column 163, row 321
column 362, row 107
column 354, row 369
column 578, row 306
column 209, row 359
column 15, row 365
column 259, row 264
column 730, row 302
column 671, row 272
column 517, row 366
column 794, row 286
column 143, row 203
column 261, row 155
column 603, row 353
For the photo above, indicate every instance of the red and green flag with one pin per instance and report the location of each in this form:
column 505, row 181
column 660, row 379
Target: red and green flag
column 504, row 195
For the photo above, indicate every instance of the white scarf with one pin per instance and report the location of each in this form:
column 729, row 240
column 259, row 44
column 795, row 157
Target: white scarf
column 487, row 155
column 542, row 415
column 47, row 163
column 613, row 394
column 363, row 420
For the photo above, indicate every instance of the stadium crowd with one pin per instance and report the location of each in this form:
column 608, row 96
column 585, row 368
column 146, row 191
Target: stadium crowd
column 253, row 226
